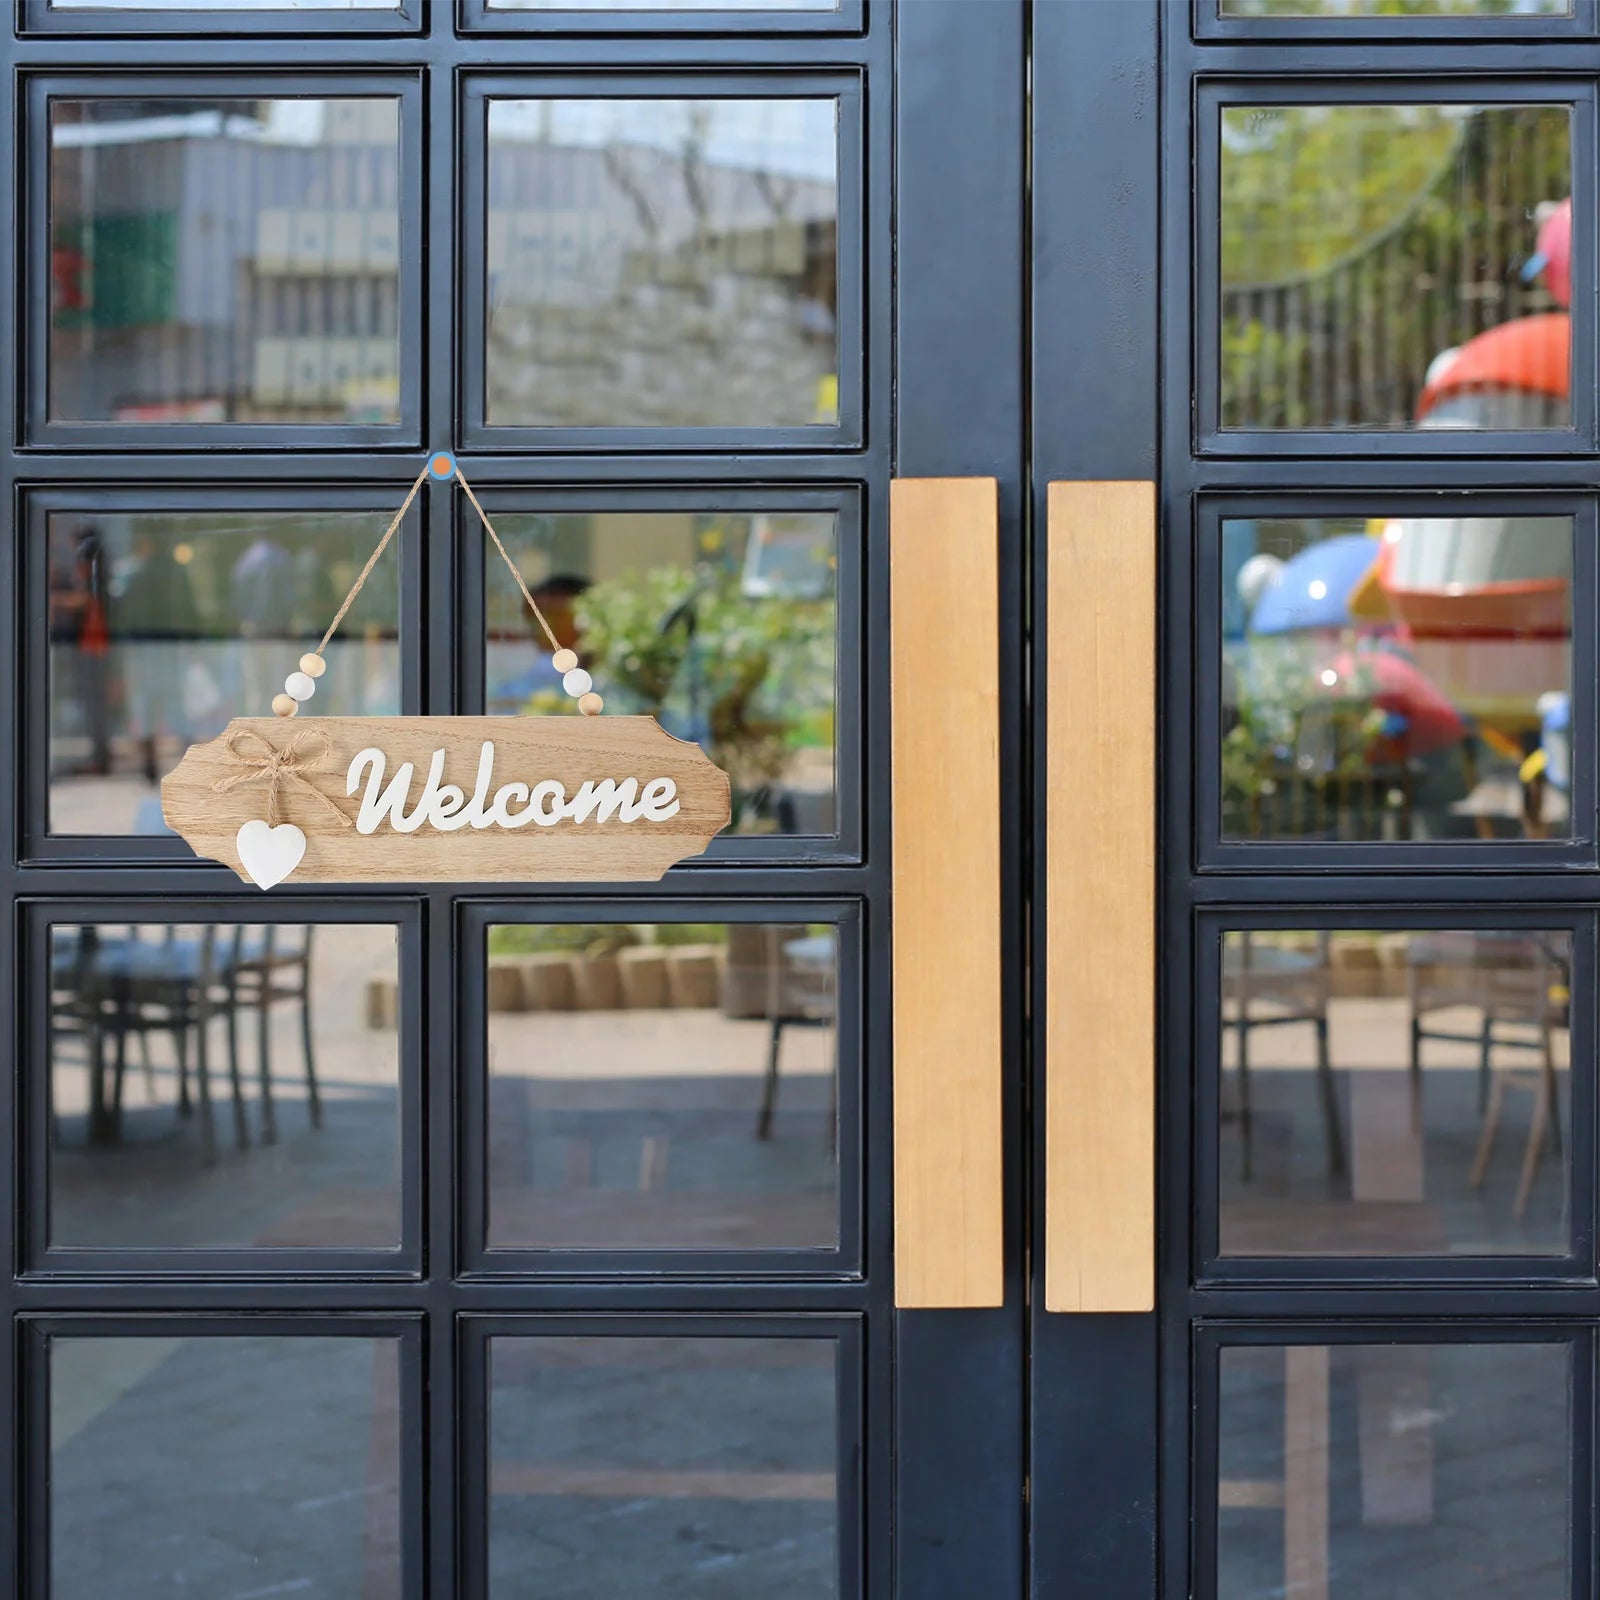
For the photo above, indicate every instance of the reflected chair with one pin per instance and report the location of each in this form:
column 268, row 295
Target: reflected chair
column 1266, row 985
column 273, row 964
column 788, row 975
column 128, row 985
column 1512, row 980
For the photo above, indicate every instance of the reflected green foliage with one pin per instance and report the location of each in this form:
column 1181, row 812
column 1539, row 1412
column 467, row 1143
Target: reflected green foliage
column 753, row 677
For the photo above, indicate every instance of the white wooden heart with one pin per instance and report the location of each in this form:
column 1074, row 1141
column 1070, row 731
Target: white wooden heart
column 270, row 854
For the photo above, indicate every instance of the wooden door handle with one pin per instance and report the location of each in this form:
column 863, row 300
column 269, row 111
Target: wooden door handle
column 1100, row 821
column 949, row 1201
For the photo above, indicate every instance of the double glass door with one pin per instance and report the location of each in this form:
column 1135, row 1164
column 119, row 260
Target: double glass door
column 513, row 1242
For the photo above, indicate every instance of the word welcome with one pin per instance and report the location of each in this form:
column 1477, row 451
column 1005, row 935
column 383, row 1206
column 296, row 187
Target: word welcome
column 447, row 806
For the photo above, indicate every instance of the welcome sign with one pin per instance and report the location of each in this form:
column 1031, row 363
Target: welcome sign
column 442, row 799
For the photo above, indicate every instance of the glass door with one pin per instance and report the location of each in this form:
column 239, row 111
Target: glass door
column 1365, row 379
column 482, row 1241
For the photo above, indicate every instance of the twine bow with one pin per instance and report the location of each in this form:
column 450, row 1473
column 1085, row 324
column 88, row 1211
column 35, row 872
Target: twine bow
column 305, row 752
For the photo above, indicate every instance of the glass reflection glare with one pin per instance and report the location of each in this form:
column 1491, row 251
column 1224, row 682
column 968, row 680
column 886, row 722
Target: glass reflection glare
column 1390, row 1093
column 1396, row 266
column 224, row 1086
column 663, row 1086
column 1402, row 678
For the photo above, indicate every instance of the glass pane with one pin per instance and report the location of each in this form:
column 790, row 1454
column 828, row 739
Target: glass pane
column 720, row 624
column 663, row 5
column 663, row 263
column 224, row 1085
column 222, row 5
column 1395, row 1093
column 673, row 1467
column 1397, row 679
column 1405, row 1471
column 1399, row 9
column 164, row 625
column 663, row 1086
column 224, row 1466
column 224, row 260
column 1396, row 266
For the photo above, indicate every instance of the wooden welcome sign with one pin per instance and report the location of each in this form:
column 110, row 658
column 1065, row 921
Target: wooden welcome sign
column 439, row 799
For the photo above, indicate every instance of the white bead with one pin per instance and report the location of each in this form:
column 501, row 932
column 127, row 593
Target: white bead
column 577, row 682
column 300, row 686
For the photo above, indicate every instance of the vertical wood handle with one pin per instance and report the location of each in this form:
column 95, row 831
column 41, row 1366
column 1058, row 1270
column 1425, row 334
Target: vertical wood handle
column 1100, row 819
column 945, row 748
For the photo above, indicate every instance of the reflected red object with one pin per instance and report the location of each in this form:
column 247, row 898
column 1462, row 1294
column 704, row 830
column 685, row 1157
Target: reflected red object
column 1393, row 683
column 1533, row 354
column 1555, row 246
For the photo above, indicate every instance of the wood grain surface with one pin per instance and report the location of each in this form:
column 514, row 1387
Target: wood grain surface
column 1100, row 916
column 527, row 750
column 949, row 1173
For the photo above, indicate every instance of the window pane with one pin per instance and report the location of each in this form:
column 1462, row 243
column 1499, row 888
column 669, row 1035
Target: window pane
column 1397, row 678
column 224, row 260
column 663, row 1086
column 224, row 1466
column 667, row 263
column 722, row 625
column 224, row 1085
column 1396, row 266
column 1394, row 1093
column 682, row 1467
column 164, row 625
column 1401, row 1470
column 222, row 5
column 1399, row 10
column 663, row 5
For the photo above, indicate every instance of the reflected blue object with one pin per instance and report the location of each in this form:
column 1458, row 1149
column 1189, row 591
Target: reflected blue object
column 1313, row 590
column 1239, row 539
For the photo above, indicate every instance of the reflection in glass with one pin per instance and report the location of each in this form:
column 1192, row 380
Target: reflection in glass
column 1406, row 1471
column 1398, row 10
column 663, row 1086
column 224, row 1466
column 1396, row 266
column 164, row 625
column 662, row 263
column 672, row 1467
column 1395, row 1093
column 1400, row 678
column 223, row 1086
column 722, row 625
column 663, row 5
column 224, row 260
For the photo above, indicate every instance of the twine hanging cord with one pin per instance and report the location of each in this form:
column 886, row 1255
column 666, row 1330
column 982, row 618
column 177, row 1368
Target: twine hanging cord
column 389, row 533
column 305, row 752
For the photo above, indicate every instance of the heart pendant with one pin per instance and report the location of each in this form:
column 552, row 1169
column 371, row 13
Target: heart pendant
column 270, row 854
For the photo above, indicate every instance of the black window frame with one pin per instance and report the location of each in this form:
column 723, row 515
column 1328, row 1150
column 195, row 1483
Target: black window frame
column 1285, row 87
column 32, row 331
column 855, row 255
column 1213, row 852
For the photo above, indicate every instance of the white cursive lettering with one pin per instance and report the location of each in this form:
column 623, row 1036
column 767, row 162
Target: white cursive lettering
column 448, row 807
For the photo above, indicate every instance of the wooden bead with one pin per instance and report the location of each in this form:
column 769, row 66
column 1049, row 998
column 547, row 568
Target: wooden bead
column 284, row 706
column 591, row 705
column 564, row 661
column 312, row 664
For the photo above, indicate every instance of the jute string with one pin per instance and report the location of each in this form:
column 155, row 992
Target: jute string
column 305, row 752
column 389, row 533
